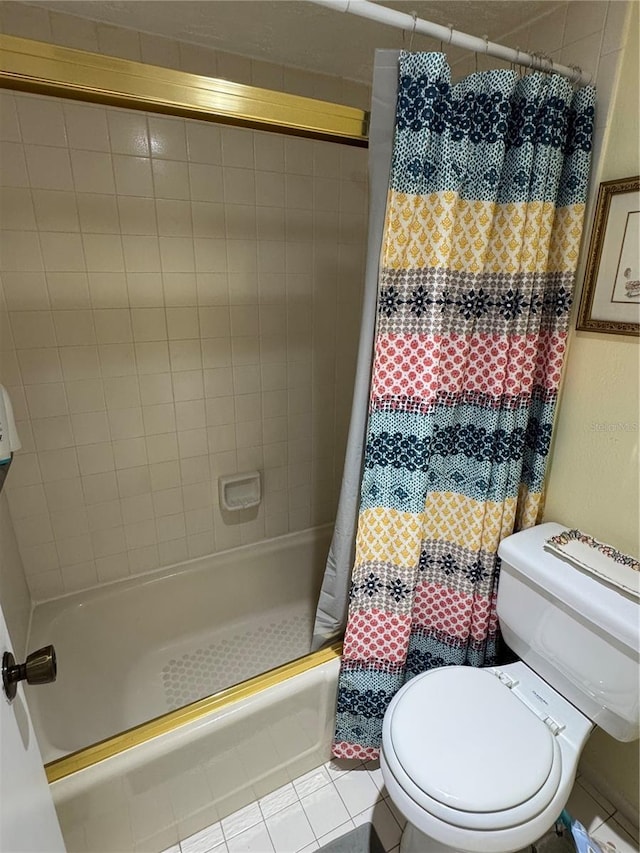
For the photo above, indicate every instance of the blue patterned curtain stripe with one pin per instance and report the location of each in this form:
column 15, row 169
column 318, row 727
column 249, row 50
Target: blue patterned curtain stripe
column 493, row 135
column 484, row 215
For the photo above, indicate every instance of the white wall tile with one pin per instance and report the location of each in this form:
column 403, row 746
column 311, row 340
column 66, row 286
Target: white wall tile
column 147, row 329
column 25, row 291
column 117, row 41
column 167, row 138
column 42, row 119
column 72, row 31
column 171, row 179
column 55, row 211
column 133, row 175
column 86, row 127
column 157, row 50
column 92, row 171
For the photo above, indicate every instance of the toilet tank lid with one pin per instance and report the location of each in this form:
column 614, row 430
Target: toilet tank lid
column 605, row 606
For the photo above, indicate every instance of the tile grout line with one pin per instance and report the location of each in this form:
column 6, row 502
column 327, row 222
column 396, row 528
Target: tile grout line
column 382, row 797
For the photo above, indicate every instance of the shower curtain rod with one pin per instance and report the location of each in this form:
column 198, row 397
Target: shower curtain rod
column 447, row 35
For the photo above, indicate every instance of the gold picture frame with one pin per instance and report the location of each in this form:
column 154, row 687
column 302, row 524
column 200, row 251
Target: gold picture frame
column 611, row 294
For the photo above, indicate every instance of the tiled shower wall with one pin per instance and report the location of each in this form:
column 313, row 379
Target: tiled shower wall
column 181, row 300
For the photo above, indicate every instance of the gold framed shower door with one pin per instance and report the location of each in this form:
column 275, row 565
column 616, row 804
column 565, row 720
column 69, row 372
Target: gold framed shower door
column 41, row 68
column 47, row 69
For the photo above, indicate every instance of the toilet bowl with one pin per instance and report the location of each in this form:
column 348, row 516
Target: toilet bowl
column 484, row 760
column 479, row 760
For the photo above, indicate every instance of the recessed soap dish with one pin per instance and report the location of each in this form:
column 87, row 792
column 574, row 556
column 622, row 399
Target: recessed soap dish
column 239, row 491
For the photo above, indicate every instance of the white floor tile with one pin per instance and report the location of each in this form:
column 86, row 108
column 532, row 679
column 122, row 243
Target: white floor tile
column 395, row 811
column 605, row 804
column 337, row 797
column 290, row 829
column 357, row 790
column 613, row 832
column 241, row 820
column 626, row 824
column 339, row 766
column 582, row 806
column 386, row 826
column 311, row 781
column 278, row 800
column 336, row 833
column 325, row 810
column 373, row 769
column 203, row 841
column 253, row 840
column 174, row 849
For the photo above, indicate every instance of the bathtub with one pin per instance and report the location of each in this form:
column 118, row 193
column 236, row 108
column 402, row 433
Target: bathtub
column 165, row 788
column 183, row 694
column 138, row 648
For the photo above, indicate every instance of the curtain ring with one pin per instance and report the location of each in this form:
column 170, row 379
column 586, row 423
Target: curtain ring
column 450, row 28
column 414, row 15
column 518, row 63
column 486, row 49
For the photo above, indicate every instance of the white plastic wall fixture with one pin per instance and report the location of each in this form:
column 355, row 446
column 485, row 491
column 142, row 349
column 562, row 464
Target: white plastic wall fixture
column 239, row 491
column 9, row 441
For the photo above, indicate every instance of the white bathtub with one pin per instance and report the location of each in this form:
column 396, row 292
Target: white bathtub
column 163, row 790
column 136, row 649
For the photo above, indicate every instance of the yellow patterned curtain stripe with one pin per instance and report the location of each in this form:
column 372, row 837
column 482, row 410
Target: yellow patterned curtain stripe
column 387, row 535
column 530, row 508
column 446, row 231
column 565, row 238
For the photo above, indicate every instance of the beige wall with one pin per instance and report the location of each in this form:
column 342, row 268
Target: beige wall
column 593, row 479
column 594, row 476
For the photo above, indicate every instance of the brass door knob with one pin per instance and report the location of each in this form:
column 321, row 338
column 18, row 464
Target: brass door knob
column 39, row 668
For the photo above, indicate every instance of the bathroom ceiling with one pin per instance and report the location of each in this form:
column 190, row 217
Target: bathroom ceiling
column 297, row 32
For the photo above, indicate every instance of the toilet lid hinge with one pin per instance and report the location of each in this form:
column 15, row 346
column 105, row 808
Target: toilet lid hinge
column 554, row 725
column 505, row 679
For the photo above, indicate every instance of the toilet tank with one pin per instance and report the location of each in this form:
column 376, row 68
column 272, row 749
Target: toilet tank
column 580, row 634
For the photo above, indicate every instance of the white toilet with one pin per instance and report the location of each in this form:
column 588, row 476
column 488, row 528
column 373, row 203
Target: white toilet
column 484, row 760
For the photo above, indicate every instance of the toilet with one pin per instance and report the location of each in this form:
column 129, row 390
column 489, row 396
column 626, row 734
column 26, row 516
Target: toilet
column 484, row 760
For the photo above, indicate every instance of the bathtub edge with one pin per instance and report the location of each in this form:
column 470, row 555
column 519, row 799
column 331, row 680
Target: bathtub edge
column 89, row 756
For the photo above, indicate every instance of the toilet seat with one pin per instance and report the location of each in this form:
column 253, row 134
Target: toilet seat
column 468, row 751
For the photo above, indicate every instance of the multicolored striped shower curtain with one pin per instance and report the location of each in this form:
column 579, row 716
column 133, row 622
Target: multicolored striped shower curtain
column 482, row 232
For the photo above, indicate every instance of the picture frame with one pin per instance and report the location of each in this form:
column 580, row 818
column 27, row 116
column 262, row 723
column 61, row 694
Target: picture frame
column 611, row 293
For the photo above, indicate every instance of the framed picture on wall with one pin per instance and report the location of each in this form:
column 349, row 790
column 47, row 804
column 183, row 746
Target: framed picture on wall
column 611, row 294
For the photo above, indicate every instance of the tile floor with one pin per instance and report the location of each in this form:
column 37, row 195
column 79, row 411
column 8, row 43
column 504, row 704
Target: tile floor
column 340, row 795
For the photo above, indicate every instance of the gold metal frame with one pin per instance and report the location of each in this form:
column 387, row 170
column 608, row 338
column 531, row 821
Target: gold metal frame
column 97, row 752
column 592, row 279
column 42, row 68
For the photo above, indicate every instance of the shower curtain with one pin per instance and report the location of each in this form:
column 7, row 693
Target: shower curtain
column 481, row 237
